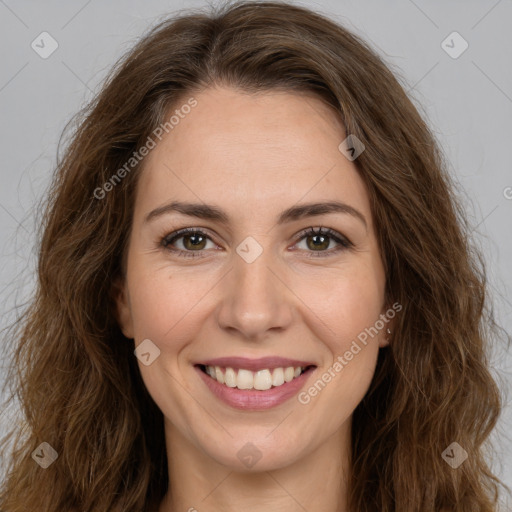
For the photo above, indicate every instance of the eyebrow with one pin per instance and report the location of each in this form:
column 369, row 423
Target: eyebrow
column 211, row 212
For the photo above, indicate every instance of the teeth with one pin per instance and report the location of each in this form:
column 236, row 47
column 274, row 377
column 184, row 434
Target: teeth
column 263, row 380
column 260, row 380
column 219, row 375
column 288, row 374
column 230, row 377
column 278, row 377
column 244, row 379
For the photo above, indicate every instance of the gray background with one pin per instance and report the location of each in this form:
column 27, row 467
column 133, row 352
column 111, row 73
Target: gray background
column 467, row 101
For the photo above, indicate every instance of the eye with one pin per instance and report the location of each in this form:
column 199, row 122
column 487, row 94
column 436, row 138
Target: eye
column 194, row 240
column 319, row 239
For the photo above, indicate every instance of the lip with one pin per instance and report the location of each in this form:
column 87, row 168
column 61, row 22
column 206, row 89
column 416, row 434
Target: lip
column 251, row 399
column 269, row 362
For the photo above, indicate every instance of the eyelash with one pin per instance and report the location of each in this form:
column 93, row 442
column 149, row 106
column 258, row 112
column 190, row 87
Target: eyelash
column 344, row 242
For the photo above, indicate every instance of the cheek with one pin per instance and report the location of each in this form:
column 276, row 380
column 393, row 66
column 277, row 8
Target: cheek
column 343, row 306
column 339, row 386
column 346, row 309
column 164, row 309
column 162, row 303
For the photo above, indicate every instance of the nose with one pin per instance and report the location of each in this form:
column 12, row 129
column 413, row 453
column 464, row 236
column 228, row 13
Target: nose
column 255, row 298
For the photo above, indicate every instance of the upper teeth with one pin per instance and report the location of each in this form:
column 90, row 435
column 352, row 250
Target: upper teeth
column 246, row 379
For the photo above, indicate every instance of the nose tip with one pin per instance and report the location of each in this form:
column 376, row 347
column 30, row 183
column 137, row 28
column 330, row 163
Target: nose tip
column 254, row 300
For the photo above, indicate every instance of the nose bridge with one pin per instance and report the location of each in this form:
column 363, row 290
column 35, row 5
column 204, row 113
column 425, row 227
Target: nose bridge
column 253, row 299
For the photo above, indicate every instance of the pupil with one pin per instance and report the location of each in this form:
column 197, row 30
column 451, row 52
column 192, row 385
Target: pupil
column 197, row 239
column 321, row 241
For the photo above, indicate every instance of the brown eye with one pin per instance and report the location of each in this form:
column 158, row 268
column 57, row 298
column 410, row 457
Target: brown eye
column 195, row 241
column 318, row 241
column 192, row 241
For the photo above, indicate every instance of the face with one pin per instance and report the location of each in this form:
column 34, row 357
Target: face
column 248, row 281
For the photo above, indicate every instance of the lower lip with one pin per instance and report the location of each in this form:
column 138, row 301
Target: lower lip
column 255, row 400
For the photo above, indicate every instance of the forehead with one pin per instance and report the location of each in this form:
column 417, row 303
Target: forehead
column 253, row 153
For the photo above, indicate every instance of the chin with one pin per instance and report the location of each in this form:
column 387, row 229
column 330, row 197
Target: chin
column 253, row 454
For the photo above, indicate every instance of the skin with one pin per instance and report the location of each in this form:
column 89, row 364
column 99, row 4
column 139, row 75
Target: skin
column 253, row 156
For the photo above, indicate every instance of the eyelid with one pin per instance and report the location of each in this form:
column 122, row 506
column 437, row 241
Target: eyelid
column 175, row 235
column 343, row 242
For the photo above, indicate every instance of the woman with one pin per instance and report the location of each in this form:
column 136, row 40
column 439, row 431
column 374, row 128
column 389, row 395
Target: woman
column 256, row 289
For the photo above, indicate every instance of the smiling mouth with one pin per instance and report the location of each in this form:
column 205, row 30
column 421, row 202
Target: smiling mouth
column 261, row 380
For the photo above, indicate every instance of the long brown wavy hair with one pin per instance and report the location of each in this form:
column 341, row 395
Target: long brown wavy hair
column 75, row 374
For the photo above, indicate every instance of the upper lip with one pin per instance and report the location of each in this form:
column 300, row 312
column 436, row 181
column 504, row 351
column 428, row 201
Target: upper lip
column 255, row 364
